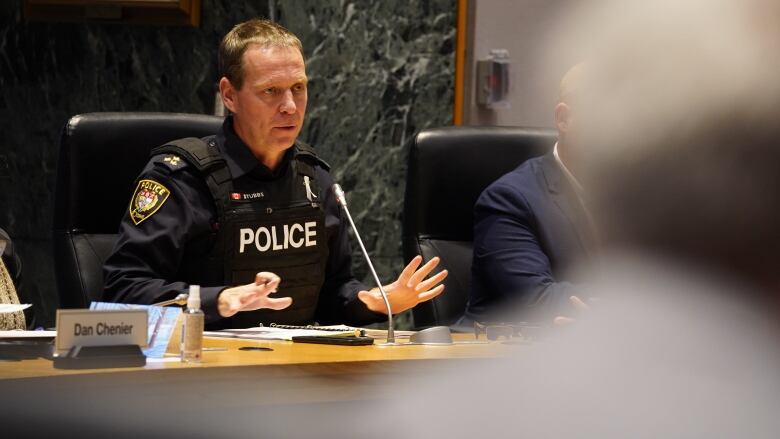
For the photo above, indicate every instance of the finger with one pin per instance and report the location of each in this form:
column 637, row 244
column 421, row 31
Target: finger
column 423, row 272
column 578, row 304
column 268, row 303
column 278, row 303
column 270, row 287
column 373, row 301
column 432, row 281
column 369, row 297
column 265, row 277
column 430, row 294
column 408, row 271
column 562, row 321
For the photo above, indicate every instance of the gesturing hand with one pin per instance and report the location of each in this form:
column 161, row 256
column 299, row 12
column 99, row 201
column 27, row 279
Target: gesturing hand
column 578, row 305
column 252, row 296
column 410, row 289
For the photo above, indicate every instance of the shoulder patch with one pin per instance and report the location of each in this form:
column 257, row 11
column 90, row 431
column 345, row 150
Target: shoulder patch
column 147, row 199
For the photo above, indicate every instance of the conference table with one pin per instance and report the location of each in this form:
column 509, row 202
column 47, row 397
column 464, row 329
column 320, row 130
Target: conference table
column 226, row 353
column 230, row 381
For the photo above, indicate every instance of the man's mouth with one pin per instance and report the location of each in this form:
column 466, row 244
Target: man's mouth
column 286, row 127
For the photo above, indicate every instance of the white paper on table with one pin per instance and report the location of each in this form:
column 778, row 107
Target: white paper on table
column 150, row 360
column 276, row 333
column 27, row 334
column 11, row 307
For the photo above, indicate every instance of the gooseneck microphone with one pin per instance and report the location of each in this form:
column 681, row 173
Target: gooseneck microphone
column 342, row 200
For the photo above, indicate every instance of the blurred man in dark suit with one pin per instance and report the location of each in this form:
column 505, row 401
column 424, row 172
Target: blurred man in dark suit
column 682, row 173
column 531, row 228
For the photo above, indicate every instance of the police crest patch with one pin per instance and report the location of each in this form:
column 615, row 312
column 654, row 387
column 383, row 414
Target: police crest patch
column 147, row 199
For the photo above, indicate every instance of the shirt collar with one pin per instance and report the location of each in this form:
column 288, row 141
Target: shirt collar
column 567, row 173
column 239, row 157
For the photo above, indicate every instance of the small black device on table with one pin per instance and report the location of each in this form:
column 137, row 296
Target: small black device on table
column 349, row 340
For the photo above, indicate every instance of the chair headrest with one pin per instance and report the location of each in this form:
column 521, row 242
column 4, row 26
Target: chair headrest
column 101, row 155
column 450, row 167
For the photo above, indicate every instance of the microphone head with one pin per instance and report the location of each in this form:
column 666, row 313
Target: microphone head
column 340, row 198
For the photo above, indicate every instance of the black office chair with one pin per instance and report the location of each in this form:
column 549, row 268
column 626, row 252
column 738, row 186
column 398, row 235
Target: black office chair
column 447, row 171
column 101, row 155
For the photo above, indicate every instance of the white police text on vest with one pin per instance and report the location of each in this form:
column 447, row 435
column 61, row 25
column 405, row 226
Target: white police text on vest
column 278, row 238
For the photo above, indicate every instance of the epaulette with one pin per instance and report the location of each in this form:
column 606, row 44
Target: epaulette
column 171, row 162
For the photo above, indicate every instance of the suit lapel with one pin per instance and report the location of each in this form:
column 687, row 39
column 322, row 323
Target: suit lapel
column 562, row 193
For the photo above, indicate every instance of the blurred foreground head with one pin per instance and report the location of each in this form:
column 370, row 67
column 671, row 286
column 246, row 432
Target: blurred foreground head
column 676, row 110
column 679, row 109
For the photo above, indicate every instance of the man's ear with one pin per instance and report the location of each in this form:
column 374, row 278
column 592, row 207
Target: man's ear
column 562, row 116
column 228, row 93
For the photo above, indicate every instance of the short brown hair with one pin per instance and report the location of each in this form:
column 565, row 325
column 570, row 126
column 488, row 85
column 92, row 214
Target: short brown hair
column 257, row 31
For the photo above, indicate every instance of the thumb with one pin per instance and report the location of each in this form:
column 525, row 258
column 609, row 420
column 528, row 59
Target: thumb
column 278, row 303
column 366, row 297
column 372, row 301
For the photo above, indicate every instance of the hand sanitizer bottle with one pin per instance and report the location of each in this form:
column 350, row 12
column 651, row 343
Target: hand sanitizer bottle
column 192, row 330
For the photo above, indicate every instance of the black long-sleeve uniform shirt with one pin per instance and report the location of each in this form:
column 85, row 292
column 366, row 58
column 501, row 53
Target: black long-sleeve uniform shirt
column 147, row 259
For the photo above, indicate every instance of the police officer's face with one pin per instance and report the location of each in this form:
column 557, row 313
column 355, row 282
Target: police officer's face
column 268, row 110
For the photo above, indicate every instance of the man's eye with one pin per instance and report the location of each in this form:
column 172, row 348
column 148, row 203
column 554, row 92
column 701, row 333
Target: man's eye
column 270, row 91
column 299, row 88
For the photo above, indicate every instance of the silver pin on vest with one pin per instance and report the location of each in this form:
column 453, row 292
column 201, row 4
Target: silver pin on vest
column 309, row 193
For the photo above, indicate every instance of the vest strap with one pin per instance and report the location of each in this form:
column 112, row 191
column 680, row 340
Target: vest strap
column 305, row 153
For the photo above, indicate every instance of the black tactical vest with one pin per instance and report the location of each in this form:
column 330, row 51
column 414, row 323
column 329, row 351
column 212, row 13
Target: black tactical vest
column 283, row 233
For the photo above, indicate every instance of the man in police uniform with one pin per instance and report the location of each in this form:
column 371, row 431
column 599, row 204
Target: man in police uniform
column 215, row 211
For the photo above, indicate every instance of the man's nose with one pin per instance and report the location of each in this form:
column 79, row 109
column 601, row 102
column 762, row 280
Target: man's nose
column 288, row 103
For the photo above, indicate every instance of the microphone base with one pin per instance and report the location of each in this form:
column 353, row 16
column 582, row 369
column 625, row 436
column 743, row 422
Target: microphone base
column 393, row 343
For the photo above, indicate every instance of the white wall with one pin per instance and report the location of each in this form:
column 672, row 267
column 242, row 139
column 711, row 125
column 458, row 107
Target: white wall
column 522, row 27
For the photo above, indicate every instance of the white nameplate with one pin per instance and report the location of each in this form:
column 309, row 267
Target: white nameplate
column 83, row 327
